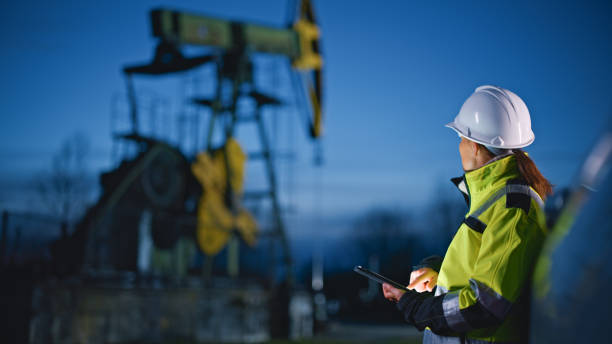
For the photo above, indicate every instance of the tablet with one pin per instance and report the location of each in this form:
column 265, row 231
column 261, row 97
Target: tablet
column 378, row 278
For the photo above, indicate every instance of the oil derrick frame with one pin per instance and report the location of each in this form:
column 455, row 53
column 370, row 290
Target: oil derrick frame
column 233, row 44
column 157, row 123
column 236, row 67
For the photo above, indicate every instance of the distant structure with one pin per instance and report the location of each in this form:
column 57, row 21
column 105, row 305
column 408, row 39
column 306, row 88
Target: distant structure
column 145, row 262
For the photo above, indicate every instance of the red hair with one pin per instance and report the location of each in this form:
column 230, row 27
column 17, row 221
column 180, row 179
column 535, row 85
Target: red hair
column 531, row 174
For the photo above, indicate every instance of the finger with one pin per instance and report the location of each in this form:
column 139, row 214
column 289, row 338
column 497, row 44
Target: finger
column 429, row 273
column 421, row 287
column 416, row 273
column 387, row 294
column 413, row 283
column 424, row 283
column 387, row 290
column 432, row 282
column 428, row 276
column 395, row 295
column 417, row 281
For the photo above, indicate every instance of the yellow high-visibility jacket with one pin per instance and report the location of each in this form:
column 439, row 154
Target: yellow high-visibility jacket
column 483, row 281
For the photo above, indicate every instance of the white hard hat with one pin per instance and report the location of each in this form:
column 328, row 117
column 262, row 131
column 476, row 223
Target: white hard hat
column 495, row 117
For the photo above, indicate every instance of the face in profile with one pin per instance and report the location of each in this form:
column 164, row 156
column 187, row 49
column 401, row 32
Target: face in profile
column 466, row 152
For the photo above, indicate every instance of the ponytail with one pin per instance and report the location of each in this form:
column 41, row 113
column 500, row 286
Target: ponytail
column 531, row 174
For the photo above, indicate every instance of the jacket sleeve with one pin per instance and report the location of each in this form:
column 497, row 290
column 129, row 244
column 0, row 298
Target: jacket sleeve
column 509, row 245
column 424, row 310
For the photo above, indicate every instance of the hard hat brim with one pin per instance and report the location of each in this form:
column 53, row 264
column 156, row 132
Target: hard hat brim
column 461, row 133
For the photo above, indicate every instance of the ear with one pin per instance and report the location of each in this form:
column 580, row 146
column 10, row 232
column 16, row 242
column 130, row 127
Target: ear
column 482, row 150
column 474, row 147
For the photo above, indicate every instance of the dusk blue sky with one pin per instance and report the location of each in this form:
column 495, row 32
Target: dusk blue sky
column 395, row 73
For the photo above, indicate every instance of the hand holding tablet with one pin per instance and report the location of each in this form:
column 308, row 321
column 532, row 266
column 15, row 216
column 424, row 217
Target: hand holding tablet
column 378, row 278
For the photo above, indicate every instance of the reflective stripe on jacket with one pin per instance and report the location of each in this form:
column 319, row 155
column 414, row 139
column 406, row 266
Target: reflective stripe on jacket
column 485, row 271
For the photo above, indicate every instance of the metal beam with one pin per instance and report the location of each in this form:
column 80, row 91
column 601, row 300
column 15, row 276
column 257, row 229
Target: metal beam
column 186, row 28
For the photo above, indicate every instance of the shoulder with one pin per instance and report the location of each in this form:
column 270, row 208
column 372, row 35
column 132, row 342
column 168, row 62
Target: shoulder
column 521, row 196
column 518, row 211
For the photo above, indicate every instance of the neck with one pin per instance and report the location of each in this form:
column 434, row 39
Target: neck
column 497, row 157
column 482, row 160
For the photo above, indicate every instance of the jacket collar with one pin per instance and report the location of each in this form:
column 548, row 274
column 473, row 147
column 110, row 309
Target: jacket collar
column 477, row 185
column 460, row 184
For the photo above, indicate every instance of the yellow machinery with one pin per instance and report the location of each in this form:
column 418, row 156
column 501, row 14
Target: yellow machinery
column 215, row 220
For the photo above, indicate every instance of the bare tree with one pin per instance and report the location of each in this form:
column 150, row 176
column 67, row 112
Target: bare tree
column 378, row 231
column 381, row 236
column 64, row 189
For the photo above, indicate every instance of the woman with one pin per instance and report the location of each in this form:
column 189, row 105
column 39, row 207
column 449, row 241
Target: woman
column 481, row 285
